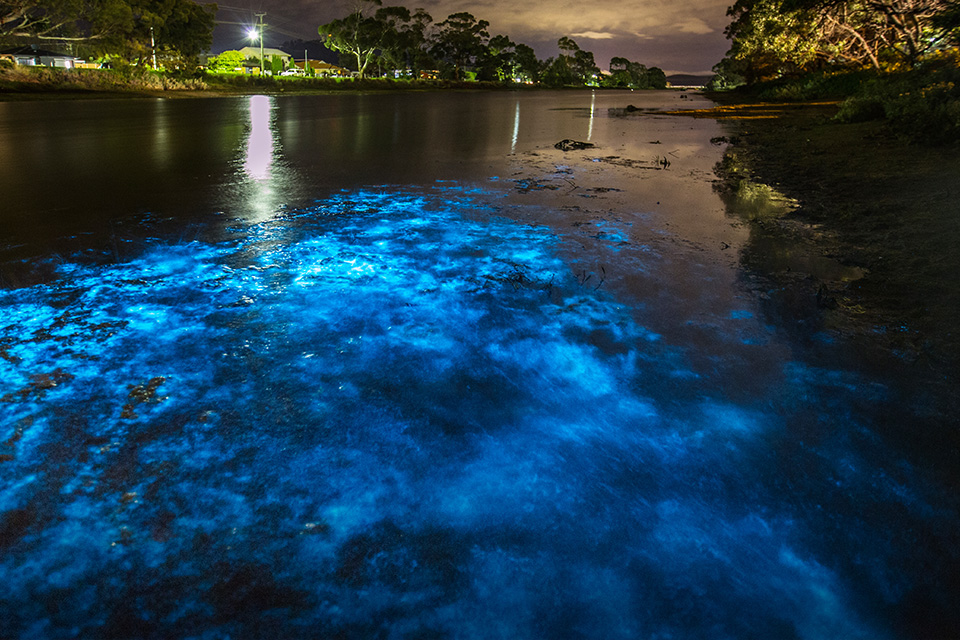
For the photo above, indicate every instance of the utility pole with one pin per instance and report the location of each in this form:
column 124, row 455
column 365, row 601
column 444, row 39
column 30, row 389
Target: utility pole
column 260, row 16
column 153, row 47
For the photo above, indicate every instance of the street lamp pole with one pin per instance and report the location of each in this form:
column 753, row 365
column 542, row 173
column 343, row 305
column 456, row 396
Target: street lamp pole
column 260, row 16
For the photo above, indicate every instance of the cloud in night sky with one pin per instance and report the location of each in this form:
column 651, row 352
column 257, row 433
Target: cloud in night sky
column 675, row 36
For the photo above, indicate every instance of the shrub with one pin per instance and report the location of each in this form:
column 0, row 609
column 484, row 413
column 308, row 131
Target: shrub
column 921, row 104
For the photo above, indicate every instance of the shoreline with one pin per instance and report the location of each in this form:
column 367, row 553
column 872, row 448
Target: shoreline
column 883, row 211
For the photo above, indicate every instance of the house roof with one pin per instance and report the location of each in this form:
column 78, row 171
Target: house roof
column 255, row 52
column 320, row 65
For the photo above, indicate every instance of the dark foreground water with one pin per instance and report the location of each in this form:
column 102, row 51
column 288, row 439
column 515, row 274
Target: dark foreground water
column 395, row 367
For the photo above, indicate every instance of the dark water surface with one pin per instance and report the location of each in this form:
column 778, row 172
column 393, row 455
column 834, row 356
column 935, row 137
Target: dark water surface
column 393, row 366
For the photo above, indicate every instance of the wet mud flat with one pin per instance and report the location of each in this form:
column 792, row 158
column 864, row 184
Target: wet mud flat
column 548, row 400
column 854, row 232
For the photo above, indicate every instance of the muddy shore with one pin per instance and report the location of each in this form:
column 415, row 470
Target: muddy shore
column 854, row 234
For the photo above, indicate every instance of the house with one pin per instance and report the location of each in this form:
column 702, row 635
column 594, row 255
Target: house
column 254, row 52
column 31, row 56
column 323, row 69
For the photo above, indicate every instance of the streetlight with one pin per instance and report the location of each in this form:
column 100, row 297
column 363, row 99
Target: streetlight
column 257, row 32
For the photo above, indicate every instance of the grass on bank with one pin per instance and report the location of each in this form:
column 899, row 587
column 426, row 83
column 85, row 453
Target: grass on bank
column 31, row 80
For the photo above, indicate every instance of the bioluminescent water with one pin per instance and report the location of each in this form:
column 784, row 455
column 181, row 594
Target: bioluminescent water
column 432, row 410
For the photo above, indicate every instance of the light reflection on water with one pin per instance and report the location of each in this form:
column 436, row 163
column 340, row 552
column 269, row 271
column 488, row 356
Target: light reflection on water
column 260, row 145
column 263, row 186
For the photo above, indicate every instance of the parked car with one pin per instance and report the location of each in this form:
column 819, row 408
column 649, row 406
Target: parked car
column 293, row 72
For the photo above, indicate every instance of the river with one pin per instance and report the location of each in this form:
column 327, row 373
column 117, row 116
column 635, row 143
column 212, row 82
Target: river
column 395, row 366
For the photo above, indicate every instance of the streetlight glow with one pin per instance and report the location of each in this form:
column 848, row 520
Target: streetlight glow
column 252, row 33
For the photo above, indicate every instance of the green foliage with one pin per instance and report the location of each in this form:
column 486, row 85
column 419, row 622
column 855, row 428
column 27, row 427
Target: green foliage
column 64, row 18
column 776, row 38
column 819, row 85
column 389, row 37
column 394, row 39
column 227, row 61
column 496, row 60
column 557, row 73
column 131, row 79
column 573, row 66
column 358, row 35
column 276, row 64
column 181, row 29
column 921, row 104
column 525, row 63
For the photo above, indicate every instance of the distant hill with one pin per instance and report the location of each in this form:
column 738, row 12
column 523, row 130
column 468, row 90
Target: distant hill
column 685, row 80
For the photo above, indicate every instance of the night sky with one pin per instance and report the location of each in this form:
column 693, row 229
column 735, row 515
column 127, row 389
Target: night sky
column 685, row 37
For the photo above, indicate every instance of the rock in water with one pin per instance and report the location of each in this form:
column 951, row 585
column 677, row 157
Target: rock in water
column 572, row 145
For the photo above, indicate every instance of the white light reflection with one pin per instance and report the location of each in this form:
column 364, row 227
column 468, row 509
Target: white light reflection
column 263, row 177
column 516, row 128
column 593, row 106
column 260, row 141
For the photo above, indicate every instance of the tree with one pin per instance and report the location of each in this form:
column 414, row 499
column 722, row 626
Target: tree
column 567, row 46
column 181, row 29
column 580, row 65
column 557, row 73
column 226, row 61
column 392, row 23
column 585, row 68
column 768, row 41
column 625, row 74
column 417, row 43
column 907, row 28
column 459, row 40
column 358, row 35
column 776, row 37
column 526, row 64
column 633, row 75
column 656, row 78
column 496, row 61
column 63, row 19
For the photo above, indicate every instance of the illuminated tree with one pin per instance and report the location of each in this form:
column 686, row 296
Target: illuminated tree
column 776, row 37
column 226, row 61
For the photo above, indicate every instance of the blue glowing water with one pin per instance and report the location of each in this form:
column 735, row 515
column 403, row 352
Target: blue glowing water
column 402, row 413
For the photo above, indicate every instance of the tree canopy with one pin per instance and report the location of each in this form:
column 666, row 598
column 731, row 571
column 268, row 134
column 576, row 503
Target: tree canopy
column 777, row 37
column 394, row 39
column 459, row 41
column 180, row 28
